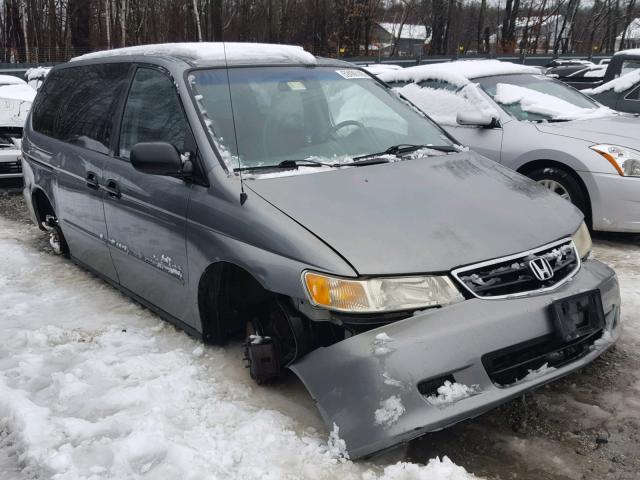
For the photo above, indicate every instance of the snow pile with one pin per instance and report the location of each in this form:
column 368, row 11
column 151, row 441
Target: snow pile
column 533, row 101
column 537, row 373
column 436, row 469
column 378, row 68
column 236, row 53
column 11, row 80
column 604, row 340
column 337, row 446
column 451, row 393
column 392, row 382
column 37, row 73
column 92, row 386
column 457, row 73
column 389, row 412
column 443, row 105
column 380, row 346
column 618, row 85
column 631, row 51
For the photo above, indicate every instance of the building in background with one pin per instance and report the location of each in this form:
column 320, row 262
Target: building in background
column 631, row 36
column 409, row 39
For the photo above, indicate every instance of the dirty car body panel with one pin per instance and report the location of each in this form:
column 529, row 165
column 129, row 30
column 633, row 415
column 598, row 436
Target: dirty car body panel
column 443, row 213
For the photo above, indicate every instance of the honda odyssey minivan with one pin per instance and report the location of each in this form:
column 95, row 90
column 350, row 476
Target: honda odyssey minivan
column 297, row 202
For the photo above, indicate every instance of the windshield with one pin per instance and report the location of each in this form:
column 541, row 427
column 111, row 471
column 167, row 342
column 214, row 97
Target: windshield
column 536, row 97
column 327, row 114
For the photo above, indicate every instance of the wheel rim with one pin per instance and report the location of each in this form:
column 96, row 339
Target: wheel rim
column 555, row 187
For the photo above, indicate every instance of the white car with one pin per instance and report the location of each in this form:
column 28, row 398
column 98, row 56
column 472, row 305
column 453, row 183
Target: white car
column 538, row 126
column 16, row 98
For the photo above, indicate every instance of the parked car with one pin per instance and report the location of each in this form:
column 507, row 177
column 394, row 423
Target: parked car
column 539, row 127
column 377, row 68
column 565, row 62
column 622, row 93
column 15, row 101
column 621, row 63
column 239, row 190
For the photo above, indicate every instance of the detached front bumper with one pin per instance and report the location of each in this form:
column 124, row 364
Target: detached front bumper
column 615, row 201
column 368, row 387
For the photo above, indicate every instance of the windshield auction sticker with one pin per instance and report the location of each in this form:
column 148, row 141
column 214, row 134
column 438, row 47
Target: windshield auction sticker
column 351, row 74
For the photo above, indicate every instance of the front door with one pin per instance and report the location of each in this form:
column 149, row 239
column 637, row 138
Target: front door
column 146, row 214
column 485, row 141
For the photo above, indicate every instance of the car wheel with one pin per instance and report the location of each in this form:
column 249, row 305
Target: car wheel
column 56, row 238
column 562, row 183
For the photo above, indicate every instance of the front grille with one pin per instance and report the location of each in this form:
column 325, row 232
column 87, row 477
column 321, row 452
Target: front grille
column 508, row 365
column 7, row 168
column 513, row 275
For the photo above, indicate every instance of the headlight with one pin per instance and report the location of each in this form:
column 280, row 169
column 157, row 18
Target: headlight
column 582, row 241
column 625, row 160
column 379, row 294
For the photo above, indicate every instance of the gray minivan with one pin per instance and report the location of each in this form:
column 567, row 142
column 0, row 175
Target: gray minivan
column 297, row 202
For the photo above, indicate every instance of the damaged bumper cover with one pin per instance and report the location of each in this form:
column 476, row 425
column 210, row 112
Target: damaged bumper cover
column 372, row 385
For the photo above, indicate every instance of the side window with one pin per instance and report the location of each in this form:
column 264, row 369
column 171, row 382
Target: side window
column 630, row 66
column 634, row 95
column 153, row 112
column 77, row 104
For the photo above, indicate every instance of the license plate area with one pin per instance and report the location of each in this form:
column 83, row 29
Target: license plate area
column 578, row 315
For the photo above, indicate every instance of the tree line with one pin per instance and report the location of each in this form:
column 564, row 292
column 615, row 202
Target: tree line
column 55, row 30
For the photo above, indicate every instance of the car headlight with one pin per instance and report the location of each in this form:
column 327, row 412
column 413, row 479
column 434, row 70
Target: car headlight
column 625, row 160
column 582, row 241
column 379, row 294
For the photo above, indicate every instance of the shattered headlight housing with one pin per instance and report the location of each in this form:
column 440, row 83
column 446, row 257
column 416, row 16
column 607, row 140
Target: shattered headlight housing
column 582, row 241
column 386, row 294
column 625, row 160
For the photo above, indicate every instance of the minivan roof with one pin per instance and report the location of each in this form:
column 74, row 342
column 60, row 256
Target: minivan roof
column 216, row 54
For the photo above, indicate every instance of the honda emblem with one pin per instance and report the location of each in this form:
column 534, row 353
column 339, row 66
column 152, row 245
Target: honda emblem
column 541, row 268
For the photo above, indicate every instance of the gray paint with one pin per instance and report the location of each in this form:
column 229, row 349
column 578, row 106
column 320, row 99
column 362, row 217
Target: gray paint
column 516, row 143
column 426, row 215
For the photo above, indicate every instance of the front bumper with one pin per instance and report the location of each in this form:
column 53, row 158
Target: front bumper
column 352, row 379
column 10, row 163
column 615, row 201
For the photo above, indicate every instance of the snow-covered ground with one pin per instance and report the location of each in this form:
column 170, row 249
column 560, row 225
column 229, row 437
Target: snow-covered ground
column 94, row 386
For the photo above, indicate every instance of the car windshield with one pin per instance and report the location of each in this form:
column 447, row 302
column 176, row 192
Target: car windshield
column 323, row 114
column 537, row 98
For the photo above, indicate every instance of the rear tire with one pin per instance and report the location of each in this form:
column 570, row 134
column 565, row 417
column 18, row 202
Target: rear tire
column 564, row 184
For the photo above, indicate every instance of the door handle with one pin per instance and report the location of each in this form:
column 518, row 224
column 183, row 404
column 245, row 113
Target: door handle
column 92, row 181
column 111, row 187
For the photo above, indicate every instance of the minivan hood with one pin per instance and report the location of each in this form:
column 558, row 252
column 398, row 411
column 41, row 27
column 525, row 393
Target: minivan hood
column 423, row 215
column 617, row 129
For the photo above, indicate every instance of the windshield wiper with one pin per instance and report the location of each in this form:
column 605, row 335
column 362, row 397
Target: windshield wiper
column 288, row 165
column 405, row 148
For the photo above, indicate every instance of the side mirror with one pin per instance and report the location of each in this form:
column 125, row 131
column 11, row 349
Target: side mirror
column 156, row 158
column 476, row 118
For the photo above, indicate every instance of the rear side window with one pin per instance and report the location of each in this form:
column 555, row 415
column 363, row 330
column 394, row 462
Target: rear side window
column 77, row 104
column 153, row 113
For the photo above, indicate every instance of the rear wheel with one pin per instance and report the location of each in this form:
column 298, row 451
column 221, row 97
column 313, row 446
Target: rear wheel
column 562, row 183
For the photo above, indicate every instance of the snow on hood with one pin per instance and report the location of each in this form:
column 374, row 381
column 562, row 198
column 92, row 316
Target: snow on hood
column 533, row 101
column 618, row 85
column 458, row 73
column 21, row 92
column 236, row 53
column 11, row 80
